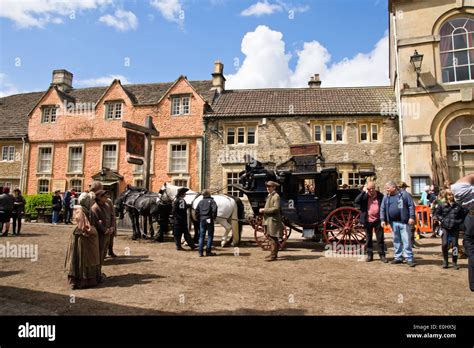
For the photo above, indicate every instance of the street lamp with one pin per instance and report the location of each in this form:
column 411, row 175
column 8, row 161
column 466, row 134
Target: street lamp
column 416, row 59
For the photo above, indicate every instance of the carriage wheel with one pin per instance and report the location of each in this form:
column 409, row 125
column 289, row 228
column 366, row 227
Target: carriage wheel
column 342, row 227
column 261, row 237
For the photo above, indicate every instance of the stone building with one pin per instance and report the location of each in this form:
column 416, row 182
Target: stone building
column 14, row 111
column 350, row 124
column 436, row 106
column 76, row 135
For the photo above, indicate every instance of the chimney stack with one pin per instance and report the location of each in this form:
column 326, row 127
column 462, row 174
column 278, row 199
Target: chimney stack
column 314, row 81
column 218, row 79
column 62, row 79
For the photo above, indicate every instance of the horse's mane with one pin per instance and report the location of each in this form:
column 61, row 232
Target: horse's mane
column 174, row 189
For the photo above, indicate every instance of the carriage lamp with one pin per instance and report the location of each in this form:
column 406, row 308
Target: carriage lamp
column 416, row 59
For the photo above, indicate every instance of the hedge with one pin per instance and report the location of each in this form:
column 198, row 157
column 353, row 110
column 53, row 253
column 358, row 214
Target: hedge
column 39, row 200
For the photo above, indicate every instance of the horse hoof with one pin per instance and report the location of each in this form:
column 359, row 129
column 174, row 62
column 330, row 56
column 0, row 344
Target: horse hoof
column 223, row 244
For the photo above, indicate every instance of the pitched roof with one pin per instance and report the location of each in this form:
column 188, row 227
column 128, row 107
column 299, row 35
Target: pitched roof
column 302, row 101
column 14, row 111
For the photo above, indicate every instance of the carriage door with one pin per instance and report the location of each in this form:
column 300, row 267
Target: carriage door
column 460, row 147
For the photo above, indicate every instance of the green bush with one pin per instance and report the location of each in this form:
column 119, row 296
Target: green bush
column 39, row 200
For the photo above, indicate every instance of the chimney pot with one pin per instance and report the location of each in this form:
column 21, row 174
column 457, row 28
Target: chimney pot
column 314, row 81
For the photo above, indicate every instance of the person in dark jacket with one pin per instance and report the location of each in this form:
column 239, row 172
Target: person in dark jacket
column 450, row 215
column 206, row 213
column 370, row 201
column 398, row 210
column 6, row 207
column 67, row 207
column 180, row 224
column 18, row 210
column 57, row 206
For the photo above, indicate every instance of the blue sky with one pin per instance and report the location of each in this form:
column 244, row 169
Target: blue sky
column 158, row 40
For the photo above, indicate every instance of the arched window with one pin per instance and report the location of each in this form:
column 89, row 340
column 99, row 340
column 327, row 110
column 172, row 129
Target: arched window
column 457, row 49
column 460, row 147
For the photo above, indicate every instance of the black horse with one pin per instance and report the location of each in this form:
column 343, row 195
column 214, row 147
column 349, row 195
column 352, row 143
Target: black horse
column 140, row 202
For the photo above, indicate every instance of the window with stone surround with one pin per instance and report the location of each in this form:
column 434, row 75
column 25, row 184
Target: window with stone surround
column 369, row 133
column 113, row 110
column 76, row 185
column 418, row 184
column 355, row 179
column 328, row 133
column 109, row 156
column 48, row 114
column 43, row 186
column 139, row 183
column 178, row 159
column 457, row 49
column 8, row 153
column 75, row 159
column 180, row 182
column 241, row 135
column 233, row 178
column 45, row 159
column 180, row 105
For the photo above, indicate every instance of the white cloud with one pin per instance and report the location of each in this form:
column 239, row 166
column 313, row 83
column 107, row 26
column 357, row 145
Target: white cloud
column 122, row 21
column 171, row 10
column 6, row 87
column 266, row 64
column 28, row 13
column 102, row 81
column 261, row 8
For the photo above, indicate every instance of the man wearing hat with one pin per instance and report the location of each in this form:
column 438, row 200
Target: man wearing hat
column 272, row 219
column 102, row 218
column 180, row 224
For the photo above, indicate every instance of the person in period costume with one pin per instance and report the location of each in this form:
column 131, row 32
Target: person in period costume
column 180, row 224
column 206, row 214
column 94, row 187
column 463, row 191
column 272, row 219
column 82, row 262
column 7, row 208
column 101, row 218
column 18, row 210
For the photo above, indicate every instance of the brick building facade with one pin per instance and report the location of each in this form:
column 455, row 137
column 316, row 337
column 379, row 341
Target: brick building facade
column 76, row 135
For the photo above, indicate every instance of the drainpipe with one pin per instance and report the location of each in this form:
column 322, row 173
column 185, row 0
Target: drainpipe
column 22, row 166
column 204, row 155
column 399, row 102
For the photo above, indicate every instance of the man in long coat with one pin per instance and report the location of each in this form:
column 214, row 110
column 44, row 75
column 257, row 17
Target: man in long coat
column 272, row 219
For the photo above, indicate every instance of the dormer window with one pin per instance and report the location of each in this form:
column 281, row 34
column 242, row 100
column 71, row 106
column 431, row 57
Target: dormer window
column 180, row 105
column 113, row 111
column 48, row 114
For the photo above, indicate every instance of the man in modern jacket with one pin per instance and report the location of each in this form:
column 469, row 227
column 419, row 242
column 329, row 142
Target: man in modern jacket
column 272, row 219
column 398, row 210
column 370, row 201
column 206, row 214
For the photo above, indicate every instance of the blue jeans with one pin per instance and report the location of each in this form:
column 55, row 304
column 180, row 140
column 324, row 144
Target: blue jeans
column 55, row 216
column 402, row 240
column 203, row 227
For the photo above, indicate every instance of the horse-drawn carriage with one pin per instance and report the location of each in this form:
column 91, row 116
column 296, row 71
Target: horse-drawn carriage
column 311, row 202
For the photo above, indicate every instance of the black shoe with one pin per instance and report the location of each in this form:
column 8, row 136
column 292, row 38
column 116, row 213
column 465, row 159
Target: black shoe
column 411, row 263
column 396, row 262
column 210, row 254
column 5, row 234
column 445, row 264
column 383, row 259
column 201, row 255
column 179, row 248
column 369, row 258
column 112, row 254
column 455, row 266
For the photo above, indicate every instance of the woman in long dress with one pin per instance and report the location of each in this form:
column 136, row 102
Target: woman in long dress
column 82, row 258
